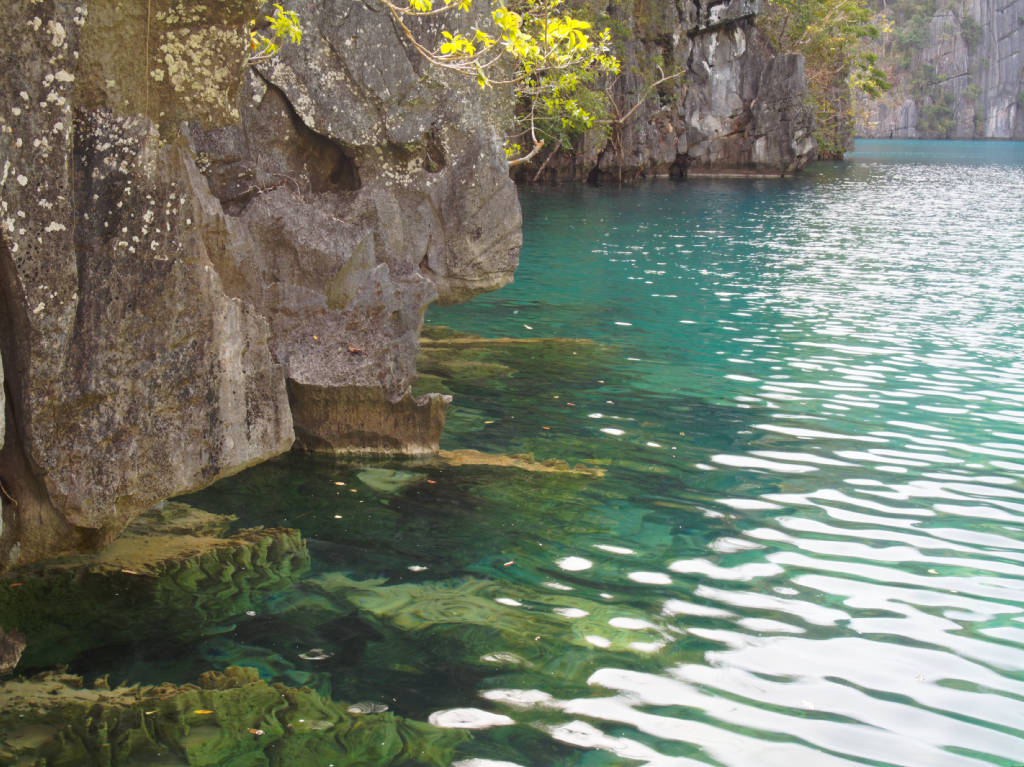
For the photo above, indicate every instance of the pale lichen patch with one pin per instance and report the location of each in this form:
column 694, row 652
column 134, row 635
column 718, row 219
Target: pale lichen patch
column 188, row 57
column 58, row 35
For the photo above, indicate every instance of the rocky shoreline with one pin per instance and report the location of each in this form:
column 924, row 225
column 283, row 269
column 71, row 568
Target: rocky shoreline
column 206, row 261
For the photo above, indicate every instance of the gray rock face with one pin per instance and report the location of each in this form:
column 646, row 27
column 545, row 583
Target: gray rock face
column 358, row 193
column 736, row 108
column 743, row 106
column 977, row 91
column 188, row 245
column 132, row 376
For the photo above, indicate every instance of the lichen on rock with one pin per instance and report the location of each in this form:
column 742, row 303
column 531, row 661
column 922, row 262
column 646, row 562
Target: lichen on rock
column 189, row 245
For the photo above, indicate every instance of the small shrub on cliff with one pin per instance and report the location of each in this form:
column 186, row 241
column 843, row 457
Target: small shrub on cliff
column 833, row 36
column 283, row 24
column 971, row 31
column 551, row 58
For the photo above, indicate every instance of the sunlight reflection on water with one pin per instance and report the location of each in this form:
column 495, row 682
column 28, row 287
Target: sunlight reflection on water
column 866, row 604
column 805, row 399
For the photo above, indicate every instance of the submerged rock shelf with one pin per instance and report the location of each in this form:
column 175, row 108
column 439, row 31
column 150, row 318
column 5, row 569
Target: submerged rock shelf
column 228, row 718
column 175, row 566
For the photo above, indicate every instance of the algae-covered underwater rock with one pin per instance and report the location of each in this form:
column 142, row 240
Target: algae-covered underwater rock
column 457, row 359
column 497, row 386
column 175, row 567
column 524, row 623
column 386, row 480
column 228, row 719
column 468, row 457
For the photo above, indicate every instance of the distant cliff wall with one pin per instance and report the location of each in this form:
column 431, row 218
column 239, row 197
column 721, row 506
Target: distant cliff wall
column 964, row 77
column 737, row 107
column 203, row 261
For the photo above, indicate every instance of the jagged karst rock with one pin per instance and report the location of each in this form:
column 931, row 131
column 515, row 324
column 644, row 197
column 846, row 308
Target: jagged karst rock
column 744, row 107
column 186, row 241
column 359, row 188
column 736, row 108
column 966, row 80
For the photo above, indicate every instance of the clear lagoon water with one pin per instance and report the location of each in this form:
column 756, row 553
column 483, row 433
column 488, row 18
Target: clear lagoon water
column 807, row 548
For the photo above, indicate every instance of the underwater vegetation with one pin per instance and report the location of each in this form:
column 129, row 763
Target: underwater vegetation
column 229, row 719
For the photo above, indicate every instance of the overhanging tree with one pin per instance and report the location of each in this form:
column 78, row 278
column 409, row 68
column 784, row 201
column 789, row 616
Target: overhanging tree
column 559, row 67
column 551, row 58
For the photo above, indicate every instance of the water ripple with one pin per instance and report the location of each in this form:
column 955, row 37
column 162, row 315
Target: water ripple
column 823, row 553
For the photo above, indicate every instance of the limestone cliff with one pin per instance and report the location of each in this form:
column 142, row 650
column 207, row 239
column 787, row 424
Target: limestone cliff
column 205, row 260
column 957, row 73
column 201, row 260
column 736, row 106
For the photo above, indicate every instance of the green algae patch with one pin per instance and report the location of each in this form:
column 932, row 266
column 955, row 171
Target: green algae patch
column 174, row 566
column 228, row 719
column 522, row 462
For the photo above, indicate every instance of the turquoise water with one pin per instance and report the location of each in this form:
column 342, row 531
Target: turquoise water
column 808, row 545
column 827, row 374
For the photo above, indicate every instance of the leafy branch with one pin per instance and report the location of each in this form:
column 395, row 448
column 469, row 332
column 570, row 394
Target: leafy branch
column 550, row 58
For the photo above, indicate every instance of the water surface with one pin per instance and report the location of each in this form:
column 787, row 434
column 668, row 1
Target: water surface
column 808, row 547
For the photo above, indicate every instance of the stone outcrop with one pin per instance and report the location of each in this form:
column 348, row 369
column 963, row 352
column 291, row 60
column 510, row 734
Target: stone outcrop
column 964, row 80
column 735, row 108
column 189, row 245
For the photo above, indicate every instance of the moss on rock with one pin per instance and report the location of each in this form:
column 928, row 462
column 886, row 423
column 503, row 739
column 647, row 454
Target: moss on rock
column 174, row 566
column 229, row 718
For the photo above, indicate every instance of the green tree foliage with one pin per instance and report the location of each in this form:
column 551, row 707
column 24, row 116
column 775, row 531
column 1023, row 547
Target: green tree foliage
column 910, row 26
column 833, row 36
column 551, row 58
column 971, row 30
